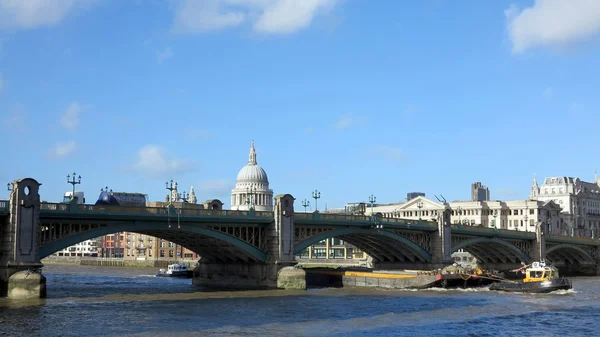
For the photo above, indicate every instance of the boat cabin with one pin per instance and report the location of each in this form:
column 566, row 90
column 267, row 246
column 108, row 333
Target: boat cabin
column 538, row 271
column 177, row 267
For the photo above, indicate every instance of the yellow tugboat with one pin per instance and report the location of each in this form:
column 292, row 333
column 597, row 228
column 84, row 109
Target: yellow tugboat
column 539, row 278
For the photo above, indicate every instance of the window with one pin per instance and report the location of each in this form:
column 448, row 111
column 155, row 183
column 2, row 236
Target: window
column 532, row 211
column 162, row 253
column 531, row 222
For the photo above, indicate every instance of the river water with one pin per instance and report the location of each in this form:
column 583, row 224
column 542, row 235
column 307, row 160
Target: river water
column 101, row 301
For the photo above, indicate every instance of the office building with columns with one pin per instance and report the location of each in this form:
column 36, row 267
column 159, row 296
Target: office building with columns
column 579, row 202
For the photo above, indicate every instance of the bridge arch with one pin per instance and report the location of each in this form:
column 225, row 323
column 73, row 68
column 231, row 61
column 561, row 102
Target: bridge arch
column 382, row 245
column 196, row 238
column 493, row 250
column 569, row 252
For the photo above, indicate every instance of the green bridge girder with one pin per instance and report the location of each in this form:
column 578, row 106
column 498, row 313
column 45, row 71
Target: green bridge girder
column 346, row 225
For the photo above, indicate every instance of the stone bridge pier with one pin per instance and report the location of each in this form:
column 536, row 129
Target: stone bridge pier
column 276, row 271
column 20, row 267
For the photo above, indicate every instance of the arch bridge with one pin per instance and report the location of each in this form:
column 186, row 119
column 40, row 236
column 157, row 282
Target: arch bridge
column 250, row 247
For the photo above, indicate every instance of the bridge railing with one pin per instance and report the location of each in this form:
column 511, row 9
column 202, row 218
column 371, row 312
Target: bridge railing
column 362, row 218
column 93, row 209
column 490, row 229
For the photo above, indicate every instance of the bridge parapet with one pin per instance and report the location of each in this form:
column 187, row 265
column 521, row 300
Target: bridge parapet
column 485, row 231
column 573, row 239
column 137, row 210
column 361, row 220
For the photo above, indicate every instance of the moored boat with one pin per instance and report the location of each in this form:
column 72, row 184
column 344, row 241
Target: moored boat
column 175, row 270
column 539, row 278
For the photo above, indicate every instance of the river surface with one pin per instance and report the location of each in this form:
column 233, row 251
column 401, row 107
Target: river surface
column 102, row 301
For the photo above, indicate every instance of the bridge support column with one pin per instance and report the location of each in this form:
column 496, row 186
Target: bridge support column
column 441, row 244
column 276, row 272
column 20, row 266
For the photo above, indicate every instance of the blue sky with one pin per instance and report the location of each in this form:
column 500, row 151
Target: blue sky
column 350, row 97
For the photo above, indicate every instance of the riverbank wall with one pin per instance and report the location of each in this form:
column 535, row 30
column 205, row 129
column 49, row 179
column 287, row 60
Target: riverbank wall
column 116, row 262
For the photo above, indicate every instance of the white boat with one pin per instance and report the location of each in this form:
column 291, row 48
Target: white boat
column 175, row 270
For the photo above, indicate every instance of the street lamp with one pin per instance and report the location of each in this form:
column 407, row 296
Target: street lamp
column 72, row 181
column 250, row 197
column 305, row 204
column 372, row 200
column 184, row 196
column 495, row 215
column 572, row 229
column 316, row 195
column 9, row 187
column 459, row 211
column 420, row 205
column 170, row 188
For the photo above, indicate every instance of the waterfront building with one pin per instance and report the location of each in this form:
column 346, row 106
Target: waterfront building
column 479, row 192
column 412, row 195
column 252, row 187
column 579, row 202
column 520, row 215
column 87, row 248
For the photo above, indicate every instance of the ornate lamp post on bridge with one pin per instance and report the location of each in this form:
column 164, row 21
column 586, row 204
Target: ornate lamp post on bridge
column 495, row 214
column 184, row 196
column 250, row 191
column 73, row 182
column 170, row 188
column 9, row 187
column 372, row 200
column 316, row 195
column 305, row 204
column 459, row 211
column 420, row 205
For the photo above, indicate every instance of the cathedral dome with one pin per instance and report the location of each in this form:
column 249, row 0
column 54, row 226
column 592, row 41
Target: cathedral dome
column 252, row 187
column 252, row 174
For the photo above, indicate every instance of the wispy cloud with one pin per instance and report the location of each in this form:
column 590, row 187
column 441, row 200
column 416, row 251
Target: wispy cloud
column 70, row 117
column 163, row 55
column 215, row 188
column 61, row 150
column 266, row 16
column 16, row 120
column 154, row 160
column 31, row 14
column 198, row 134
column 348, row 120
column 388, row 153
column 547, row 93
column 552, row 23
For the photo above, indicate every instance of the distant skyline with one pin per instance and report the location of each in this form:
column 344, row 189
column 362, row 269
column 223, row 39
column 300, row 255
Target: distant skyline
column 350, row 97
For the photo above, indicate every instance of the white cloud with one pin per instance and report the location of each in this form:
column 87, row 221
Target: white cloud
column 547, row 93
column 267, row 16
column 345, row 121
column 64, row 149
column 215, row 188
column 70, row 117
column 164, row 55
column 552, row 23
column 28, row 14
column 155, row 161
